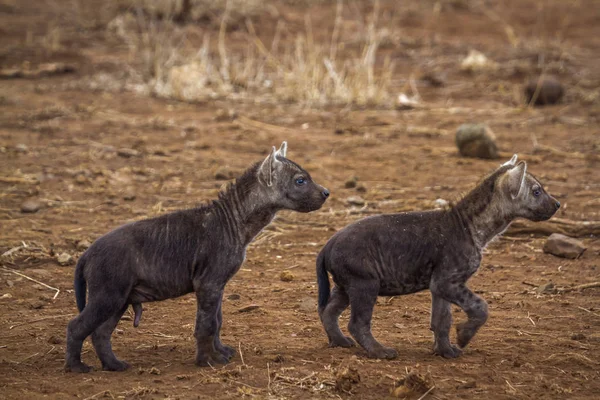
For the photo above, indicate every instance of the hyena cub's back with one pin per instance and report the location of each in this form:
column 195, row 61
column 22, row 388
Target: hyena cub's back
column 398, row 254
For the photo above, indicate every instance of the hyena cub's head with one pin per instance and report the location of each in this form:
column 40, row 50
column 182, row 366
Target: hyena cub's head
column 288, row 185
column 524, row 194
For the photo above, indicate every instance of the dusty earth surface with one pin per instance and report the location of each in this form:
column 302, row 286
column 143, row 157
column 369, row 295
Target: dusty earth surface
column 95, row 159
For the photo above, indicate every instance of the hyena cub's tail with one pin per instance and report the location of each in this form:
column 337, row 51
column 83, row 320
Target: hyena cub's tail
column 323, row 282
column 80, row 284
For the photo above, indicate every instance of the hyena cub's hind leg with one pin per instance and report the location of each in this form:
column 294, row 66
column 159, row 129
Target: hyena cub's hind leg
column 330, row 315
column 102, row 345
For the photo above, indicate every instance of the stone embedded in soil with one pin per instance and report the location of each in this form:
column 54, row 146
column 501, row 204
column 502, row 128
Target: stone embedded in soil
column 351, row 182
column 544, row 91
column 127, row 153
column 83, row 245
column 564, row 246
column 64, row 259
column 233, row 296
column 346, row 377
column 249, row 308
column 6, row 296
column 546, row 288
column 286, row 276
column 80, row 179
column 355, row 201
column 476, row 140
column 129, row 194
column 31, row 206
column 441, row 203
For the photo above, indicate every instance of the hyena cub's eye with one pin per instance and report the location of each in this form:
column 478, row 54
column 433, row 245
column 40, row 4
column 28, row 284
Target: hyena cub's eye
column 537, row 192
column 300, row 181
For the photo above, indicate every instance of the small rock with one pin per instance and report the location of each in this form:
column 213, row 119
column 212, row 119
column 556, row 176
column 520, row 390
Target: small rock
column 361, row 188
column 441, row 203
column 154, row 371
column 469, row 384
column 564, row 246
column 249, row 308
column 64, row 259
column 223, row 174
column 54, row 340
column 127, row 153
column 277, row 358
column 546, row 288
column 543, row 91
column 286, row 276
column 305, row 126
column 233, row 296
column 346, row 377
column 10, row 283
column 80, row 179
column 355, row 201
column 351, row 182
column 21, row 148
column 129, row 194
column 6, row 296
column 83, row 245
column 31, row 206
column 578, row 336
column 476, row 140
column 477, row 61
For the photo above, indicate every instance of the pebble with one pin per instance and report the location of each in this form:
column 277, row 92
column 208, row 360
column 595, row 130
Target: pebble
column 6, row 296
column 31, row 206
column 476, row 140
column 233, row 296
column 129, row 194
column 54, row 340
column 83, row 245
column 564, row 246
column 550, row 91
column 127, row 153
column 249, row 308
column 441, row 203
column 351, row 182
column 21, row 148
column 287, row 276
column 64, row 259
column 355, row 201
column 546, row 288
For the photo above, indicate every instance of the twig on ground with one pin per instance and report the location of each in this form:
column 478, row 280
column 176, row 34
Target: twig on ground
column 579, row 287
column 427, row 392
column 33, row 280
column 241, row 354
column 38, row 320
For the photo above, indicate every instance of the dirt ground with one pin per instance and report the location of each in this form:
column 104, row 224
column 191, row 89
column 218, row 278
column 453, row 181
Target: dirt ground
column 95, row 158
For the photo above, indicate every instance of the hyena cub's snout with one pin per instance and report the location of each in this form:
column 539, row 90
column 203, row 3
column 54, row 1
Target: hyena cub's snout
column 314, row 198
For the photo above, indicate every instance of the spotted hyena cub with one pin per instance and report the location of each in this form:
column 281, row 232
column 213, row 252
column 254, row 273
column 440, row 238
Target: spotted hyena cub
column 397, row 254
column 196, row 250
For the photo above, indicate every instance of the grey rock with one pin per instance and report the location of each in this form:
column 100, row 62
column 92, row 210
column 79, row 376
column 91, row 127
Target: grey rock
column 355, row 201
column 564, row 246
column 31, row 206
column 543, row 91
column 476, row 140
column 127, row 153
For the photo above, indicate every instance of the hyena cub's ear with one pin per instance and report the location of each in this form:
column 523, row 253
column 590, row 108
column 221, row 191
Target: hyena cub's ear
column 269, row 166
column 282, row 150
column 515, row 179
column 512, row 161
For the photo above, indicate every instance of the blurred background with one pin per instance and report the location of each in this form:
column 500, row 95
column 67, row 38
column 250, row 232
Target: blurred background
column 117, row 110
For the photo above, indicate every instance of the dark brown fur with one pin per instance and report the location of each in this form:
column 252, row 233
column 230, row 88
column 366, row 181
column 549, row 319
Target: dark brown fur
column 398, row 254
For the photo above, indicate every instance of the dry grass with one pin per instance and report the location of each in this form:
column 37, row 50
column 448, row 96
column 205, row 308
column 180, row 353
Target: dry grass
column 305, row 71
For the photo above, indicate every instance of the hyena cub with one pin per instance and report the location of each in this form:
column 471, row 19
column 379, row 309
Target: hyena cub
column 196, row 250
column 397, row 254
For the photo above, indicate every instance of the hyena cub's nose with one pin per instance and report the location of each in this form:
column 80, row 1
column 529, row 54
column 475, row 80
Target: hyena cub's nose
column 325, row 193
column 557, row 204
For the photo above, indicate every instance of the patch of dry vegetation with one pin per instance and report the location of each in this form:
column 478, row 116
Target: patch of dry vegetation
column 303, row 70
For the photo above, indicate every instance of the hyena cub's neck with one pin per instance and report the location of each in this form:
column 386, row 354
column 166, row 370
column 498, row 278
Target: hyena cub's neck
column 243, row 209
column 484, row 211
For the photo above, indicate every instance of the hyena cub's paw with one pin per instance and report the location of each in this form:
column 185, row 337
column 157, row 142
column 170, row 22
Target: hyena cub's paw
column 386, row 353
column 206, row 360
column 464, row 334
column 116, row 366
column 78, row 367
column 227, row 351
column 343, row 341
column 450, row 351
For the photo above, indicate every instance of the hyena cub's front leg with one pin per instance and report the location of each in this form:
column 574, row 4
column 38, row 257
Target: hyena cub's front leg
column 441, row 321
column 209, row 348
column 474, row 306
